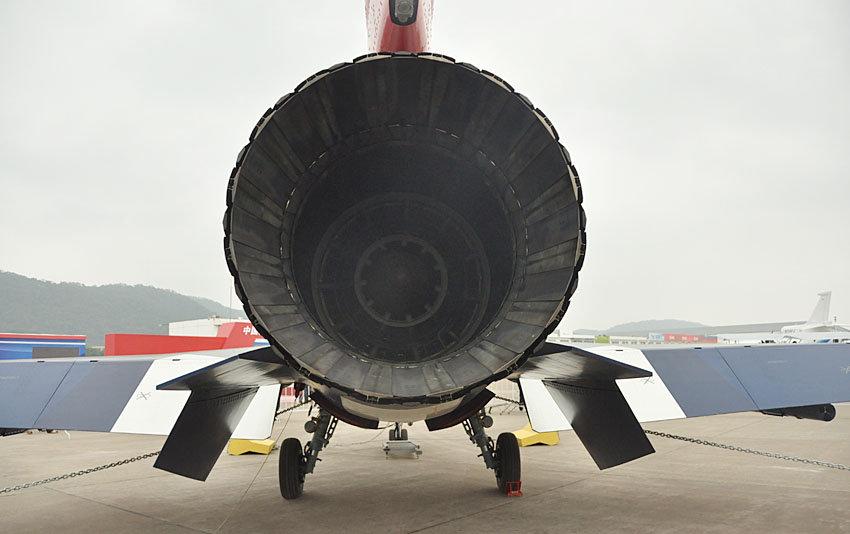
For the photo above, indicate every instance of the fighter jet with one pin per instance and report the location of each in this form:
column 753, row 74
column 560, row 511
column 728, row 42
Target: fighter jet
column 405, row 229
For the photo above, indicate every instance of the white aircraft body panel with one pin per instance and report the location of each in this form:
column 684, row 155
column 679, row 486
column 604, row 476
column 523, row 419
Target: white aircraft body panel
column 152, row 411
column 259, row 417
column 543, row 413
column 649, row 398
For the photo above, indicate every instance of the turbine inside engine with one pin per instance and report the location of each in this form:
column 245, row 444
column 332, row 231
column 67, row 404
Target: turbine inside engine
column 404, row 227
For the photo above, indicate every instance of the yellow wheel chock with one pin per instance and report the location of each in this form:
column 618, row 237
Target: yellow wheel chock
column 526, row 436
column 241, row 446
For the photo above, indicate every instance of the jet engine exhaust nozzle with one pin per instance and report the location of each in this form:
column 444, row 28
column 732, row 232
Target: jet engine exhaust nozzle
column 404, row 227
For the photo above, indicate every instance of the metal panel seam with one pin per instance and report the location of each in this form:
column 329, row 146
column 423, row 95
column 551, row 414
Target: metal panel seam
column 58, row 385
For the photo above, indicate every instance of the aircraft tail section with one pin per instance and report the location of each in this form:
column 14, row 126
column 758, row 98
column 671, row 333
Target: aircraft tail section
column 820, row 315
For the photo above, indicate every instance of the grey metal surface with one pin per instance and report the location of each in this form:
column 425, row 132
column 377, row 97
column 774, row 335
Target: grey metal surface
column 202, row 430
column 700, row 380
column 25, row 389
column 792, row 375
column 404, row 227
column 710, row 380
column 92, row 395
column 72, row 395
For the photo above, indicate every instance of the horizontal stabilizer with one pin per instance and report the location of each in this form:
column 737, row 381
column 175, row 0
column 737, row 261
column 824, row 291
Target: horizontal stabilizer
column 560, row 362
column 261, row 367
column 202, row 431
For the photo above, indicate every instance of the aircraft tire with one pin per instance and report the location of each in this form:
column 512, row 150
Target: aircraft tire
column 507, row 453
column 403, row 436
column 290, row 475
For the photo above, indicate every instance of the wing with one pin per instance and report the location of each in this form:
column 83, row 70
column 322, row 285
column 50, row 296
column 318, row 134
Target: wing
column 114, row 394
column 605, row 410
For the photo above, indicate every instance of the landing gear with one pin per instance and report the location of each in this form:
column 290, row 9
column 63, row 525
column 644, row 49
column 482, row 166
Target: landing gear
column 397, row 433
column 503, row 458
column 295, row 463
column 290, row 472
column 508, row 472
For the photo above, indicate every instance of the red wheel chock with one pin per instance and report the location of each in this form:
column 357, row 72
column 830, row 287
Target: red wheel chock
column 513, row 489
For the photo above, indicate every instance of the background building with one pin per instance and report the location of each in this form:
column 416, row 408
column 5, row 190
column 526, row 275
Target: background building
column 200, row 327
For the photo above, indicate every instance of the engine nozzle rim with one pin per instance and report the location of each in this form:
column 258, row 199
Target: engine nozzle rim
column 254, row 309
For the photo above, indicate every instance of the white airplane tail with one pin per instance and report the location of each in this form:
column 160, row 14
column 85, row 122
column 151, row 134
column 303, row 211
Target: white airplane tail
column 820, row 315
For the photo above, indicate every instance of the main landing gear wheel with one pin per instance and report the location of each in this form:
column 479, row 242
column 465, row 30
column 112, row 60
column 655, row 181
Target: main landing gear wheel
column 503, row 458
column 508, row 469
column 290, row 469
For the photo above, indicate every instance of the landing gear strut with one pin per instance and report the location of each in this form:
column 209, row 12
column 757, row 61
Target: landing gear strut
column 503, row 458
column 295, row 463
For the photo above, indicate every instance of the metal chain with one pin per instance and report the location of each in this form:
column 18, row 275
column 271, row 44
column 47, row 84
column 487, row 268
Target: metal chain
column 649, row 432
column 77, row 473
column 749, row 451
column 508, row 400
column 106, row 466
column 731, row 447
column 300, row 404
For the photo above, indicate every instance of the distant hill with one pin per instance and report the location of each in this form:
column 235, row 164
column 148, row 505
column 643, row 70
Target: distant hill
column 28, row 305
column 644, row 327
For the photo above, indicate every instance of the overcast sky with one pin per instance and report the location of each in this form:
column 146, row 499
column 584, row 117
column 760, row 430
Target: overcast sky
column 712, row 138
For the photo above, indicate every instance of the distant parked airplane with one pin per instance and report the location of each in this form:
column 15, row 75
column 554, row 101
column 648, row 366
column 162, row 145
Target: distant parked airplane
column 819, row 321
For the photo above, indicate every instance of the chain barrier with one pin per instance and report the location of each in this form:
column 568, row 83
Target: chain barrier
column 107, row 466
column 696, row 441
column 507, row 407
column 300, row 404
column 818, row 463
column 507, row 400
column 749, row 451
column 77, row 473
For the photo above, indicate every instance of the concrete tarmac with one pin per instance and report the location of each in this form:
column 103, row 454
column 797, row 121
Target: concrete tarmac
column 682, row 488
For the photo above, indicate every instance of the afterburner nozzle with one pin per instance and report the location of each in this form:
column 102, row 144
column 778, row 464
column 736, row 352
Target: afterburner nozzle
column 404, row 227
